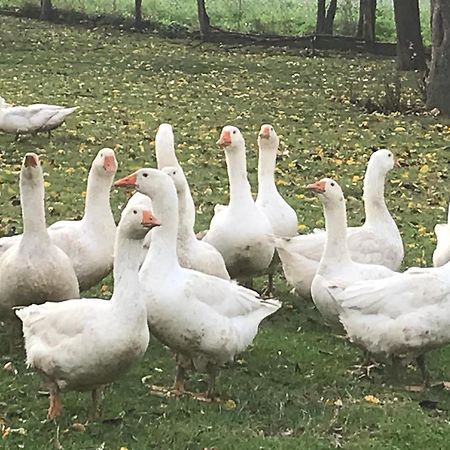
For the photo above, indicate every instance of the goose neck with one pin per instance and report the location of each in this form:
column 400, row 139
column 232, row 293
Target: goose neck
column 336, row 248
column 240, row 190
column 185, row 225
column 374, row 204
column 126, row 259
column 126, row 297
column 98, row 208
column 166, row 157
column 33, row 209
column 266, row 170
column 162, row 255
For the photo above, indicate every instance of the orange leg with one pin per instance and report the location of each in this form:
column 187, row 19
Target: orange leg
column 56, row 407
column 179, row 379
column 96, row 396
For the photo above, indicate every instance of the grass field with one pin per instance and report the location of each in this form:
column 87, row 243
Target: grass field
column 267, row 16
column 294, row 388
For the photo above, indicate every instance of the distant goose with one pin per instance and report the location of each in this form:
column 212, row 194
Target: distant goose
column 32, row 119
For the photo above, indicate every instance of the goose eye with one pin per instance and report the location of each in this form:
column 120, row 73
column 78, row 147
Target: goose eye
column 234, row 131
column 174, row 173
column 101, row 155
column 134, row 211
column 390, row 155
column 332, row 184
column 145, row 175
column 271, row 128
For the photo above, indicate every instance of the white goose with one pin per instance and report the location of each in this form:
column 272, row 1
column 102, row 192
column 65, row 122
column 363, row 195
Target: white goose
column 33, row 118
column 336, row 267
column 240, row 231
column 405, row 315
column 192, row 253
column 205, row 319
column 378, row 241
column 88, row 242
column 33, row 270
column 441, row 254
column 282, row 217
column 86, row 343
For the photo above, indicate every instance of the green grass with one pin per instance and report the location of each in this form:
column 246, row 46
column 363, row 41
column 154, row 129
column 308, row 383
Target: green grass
column 266, row 16
column 288, row 386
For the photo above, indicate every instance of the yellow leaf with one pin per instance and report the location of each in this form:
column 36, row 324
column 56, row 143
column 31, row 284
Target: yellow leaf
column 424, row 169
column 229, row 404
column 372, row 399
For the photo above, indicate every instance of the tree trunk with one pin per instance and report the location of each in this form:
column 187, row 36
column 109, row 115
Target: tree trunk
column 367, row 17
column 324, row 22
column 203, row 19
column 320, row 21
column 331, row 14
column 438, row 88
column 138, row 13
column 410, row 52
column 46, row 9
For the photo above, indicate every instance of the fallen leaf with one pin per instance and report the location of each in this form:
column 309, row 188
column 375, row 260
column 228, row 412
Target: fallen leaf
column 372, row 399
column 229, row 405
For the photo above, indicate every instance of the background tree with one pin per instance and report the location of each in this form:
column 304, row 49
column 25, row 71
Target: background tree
column 203, row 19
column 366, row 22
column 325, row 17
column 46, row 9
column 138, row 13
column 410, row 52
column 438, row 88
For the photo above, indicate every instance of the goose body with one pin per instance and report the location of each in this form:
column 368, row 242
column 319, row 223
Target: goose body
column 88, row 242
column 336, row 267
column 240, row 230
column 192, row 253
column 34, row 270
column 405, row 315
column 201, row 317
column 377, row 241
column 33, row 118
column 441, row 254
column 71, row 343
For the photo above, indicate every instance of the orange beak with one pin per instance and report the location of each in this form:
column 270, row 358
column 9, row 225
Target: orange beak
column 225, row 139
column 149, row 220
column 265, row 133
column 130, row 180
column 31, row 160
column 317, row 187
column 396, row 163
column 109, row 163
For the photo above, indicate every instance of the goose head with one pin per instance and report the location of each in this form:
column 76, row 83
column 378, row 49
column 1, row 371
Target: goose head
column 383, row 160
column 178, row 178
column 165, row 134
column 231, row 138
column 135, row 222
column 267, row 137
column 150, row 182
column 328, row 191
column 105, row 163
column 31, row 170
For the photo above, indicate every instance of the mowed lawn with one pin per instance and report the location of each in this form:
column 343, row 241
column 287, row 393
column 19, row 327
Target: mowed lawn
column 295, row 388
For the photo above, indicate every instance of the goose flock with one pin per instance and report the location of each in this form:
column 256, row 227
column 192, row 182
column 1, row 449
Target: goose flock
column 195, row 295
